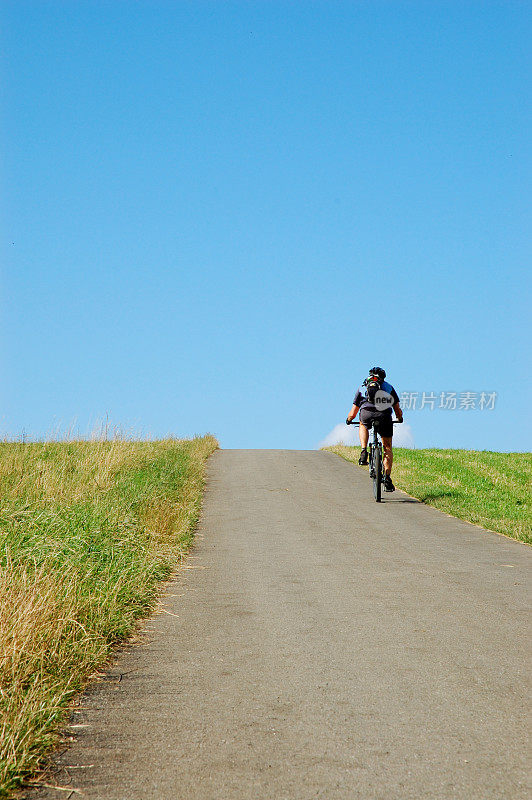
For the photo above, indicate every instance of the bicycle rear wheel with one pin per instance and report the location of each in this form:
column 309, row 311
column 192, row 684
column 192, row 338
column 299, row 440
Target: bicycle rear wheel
column 377, row 474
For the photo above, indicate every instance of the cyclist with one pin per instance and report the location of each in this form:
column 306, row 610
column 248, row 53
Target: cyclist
column 375, row 400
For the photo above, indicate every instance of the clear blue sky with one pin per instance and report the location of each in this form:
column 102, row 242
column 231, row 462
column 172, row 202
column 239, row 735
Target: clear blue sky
column 217, row 215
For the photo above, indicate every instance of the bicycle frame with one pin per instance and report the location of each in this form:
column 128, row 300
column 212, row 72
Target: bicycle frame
column 376, row 471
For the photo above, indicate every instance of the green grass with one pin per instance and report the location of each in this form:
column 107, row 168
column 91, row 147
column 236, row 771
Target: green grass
column 87, row 532
column 488, row 489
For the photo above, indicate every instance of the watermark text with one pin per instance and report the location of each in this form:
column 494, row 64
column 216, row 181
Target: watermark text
column 448, row 401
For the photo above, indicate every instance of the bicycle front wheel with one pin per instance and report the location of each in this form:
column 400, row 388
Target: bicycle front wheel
column 377, row 474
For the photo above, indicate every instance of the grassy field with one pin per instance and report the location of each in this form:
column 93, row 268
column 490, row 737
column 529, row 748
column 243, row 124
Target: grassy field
column 88, row 530
column 489, row 489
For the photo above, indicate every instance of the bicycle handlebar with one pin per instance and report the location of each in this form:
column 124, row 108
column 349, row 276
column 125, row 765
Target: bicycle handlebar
column 394, row 422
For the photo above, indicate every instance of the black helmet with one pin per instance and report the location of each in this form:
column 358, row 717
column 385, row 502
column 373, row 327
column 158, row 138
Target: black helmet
column 378, row 371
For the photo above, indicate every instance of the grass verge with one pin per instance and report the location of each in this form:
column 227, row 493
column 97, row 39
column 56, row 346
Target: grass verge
column 488, row 489
column 87, row 532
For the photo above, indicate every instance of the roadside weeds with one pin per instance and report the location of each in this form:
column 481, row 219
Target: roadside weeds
column 88, row 531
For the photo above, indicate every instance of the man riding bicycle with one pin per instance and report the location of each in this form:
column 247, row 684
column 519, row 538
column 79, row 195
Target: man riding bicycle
column 375, row 400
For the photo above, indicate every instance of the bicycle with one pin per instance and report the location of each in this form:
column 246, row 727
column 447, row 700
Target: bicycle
column 376, row 469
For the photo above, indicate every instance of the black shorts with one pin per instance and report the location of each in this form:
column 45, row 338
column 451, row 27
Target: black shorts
column 367, row 415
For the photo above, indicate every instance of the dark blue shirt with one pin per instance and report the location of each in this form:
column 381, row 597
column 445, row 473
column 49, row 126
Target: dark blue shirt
column 361, row 398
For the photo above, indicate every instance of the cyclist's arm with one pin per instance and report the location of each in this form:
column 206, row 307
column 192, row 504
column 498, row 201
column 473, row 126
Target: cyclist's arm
column 352, row 414
column 398, row 411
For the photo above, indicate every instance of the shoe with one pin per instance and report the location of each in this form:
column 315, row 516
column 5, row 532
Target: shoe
column 363, row 460
column 388, row 485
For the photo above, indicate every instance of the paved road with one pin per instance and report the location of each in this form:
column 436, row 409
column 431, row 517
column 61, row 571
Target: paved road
column 320, row 646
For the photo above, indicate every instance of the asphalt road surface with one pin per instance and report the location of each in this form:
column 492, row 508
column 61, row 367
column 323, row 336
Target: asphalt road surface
column 318, row 646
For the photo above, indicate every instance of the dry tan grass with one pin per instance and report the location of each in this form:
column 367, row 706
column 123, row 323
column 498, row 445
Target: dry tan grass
column 86, row 533
column 67, row 471
column 38, row 628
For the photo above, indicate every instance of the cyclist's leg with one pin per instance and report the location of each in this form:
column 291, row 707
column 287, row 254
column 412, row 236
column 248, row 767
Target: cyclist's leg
column 366, row 421
column 387, row 453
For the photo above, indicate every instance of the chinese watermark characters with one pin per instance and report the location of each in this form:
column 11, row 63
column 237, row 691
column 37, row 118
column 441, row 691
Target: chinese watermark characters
column 448, row 401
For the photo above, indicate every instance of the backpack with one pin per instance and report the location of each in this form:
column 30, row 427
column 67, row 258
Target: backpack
column 373, row 383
